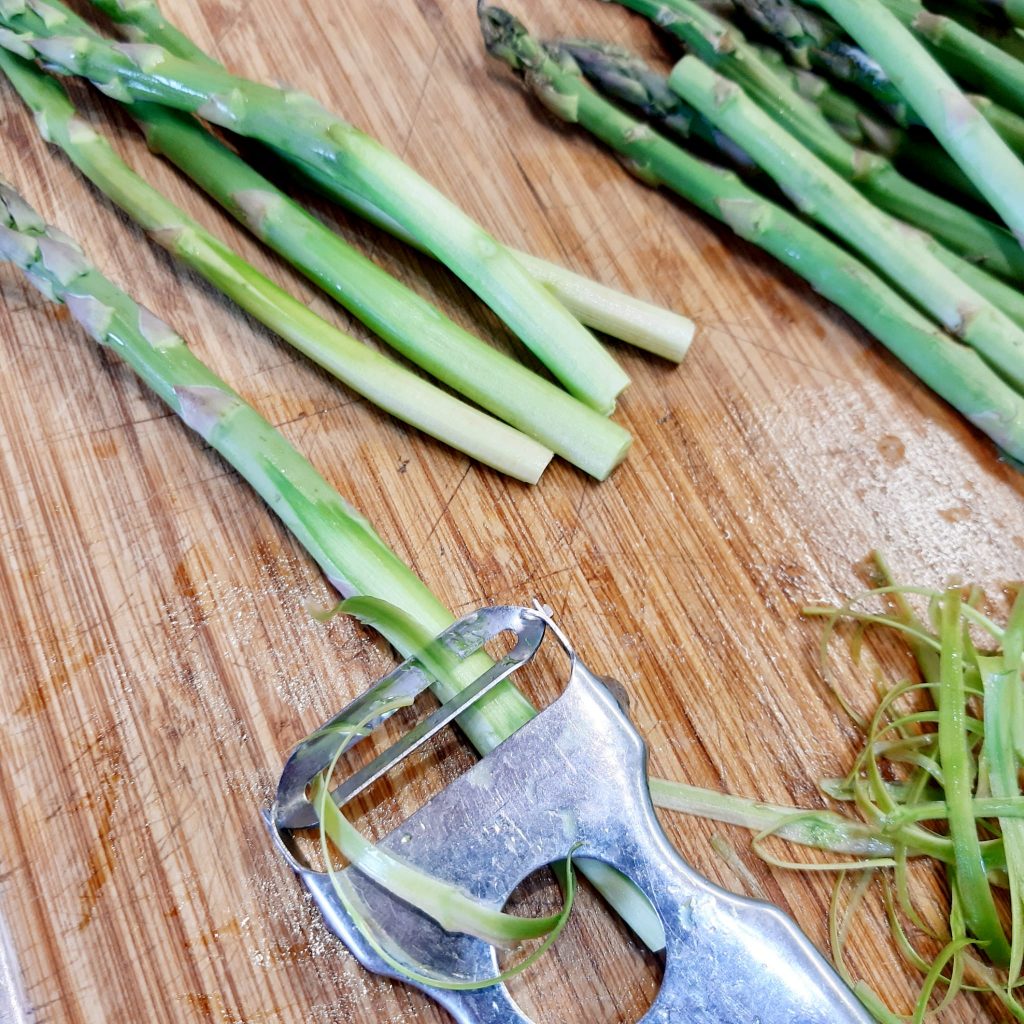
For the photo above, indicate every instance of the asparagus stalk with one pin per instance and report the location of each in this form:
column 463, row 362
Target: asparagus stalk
column 354, row 558
column 723, row 47
column 624, row 77
column 815, row 40
column 385, row 383
column 956, row 123
column 967, row 55
column 295, row 123
column 952, row 370
column 415, row 328
column 823, row 195
column 605, row 309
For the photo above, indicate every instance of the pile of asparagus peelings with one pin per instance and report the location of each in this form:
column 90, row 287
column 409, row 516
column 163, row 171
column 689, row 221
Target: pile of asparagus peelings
column 502, row 413
column 873, row 146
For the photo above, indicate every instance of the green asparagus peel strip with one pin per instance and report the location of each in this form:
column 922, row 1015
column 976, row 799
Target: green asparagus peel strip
column 605, row 309
column 817, row 191
column 951, row 369
column 1004, row 710
column 295, row 123
column 965, row 54
column 972, row 884
column 405, row 633
column 975, row 145
column 630, row 81
column 385, row 383
column 723, row 47
column 446, row 904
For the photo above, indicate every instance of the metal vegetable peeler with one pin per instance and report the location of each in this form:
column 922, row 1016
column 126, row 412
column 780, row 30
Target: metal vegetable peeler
column 574, row 776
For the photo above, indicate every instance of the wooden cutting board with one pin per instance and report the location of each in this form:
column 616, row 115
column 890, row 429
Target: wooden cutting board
column 158, row 655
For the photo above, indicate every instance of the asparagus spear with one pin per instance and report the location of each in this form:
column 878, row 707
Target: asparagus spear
column 823, row 195
column 952, row 370
column 354, row 558
column 605, row 309
column 297, row 124
column 969, row 56
column 415, row 328
column 631, row 81
column 621, row 75
column 385, row 383
column 723, row 47
column 962, row 130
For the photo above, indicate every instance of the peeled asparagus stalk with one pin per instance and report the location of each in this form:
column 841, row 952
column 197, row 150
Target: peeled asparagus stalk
column 385, row 383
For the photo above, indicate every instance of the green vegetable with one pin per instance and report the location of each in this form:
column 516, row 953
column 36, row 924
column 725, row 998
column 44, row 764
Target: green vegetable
column 605, row 309
column 385, row 383
column 951, row 369
column 965, row 134
column 965, row 54
column 903, row 256
column 722, row 47
column 445, row 903
column 297, row 124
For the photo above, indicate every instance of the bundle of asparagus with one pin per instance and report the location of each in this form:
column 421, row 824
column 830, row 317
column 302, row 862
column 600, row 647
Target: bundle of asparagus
column 929, row 257
column 544, row 304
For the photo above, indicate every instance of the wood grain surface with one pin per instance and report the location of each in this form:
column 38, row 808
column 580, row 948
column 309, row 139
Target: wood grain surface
column 157, row 654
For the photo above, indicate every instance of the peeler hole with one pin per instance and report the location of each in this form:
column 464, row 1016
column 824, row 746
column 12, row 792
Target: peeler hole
column 623, row 976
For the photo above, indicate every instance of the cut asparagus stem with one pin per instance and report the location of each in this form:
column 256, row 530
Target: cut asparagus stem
column 295, row 123
column 354, row 558
column 605, row 309
column 968, row 56
column 723, row 47
column 415, row 328
column 956, row 123
column 820, row 193
column 352, row 555
column 952, row 370
column 385, row 383
column 410, row 324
